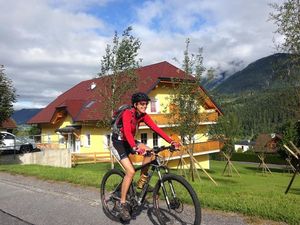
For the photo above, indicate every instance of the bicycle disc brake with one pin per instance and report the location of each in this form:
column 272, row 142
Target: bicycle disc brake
column 176, row 205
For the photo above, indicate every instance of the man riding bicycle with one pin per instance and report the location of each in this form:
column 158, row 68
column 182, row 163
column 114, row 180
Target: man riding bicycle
column 125, row 144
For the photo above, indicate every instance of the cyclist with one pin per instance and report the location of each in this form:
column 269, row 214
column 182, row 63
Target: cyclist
column 124, row 144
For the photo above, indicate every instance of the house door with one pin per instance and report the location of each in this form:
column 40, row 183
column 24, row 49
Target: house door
column 71, row 146
column 77, row 145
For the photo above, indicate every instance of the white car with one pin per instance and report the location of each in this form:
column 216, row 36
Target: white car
column 9, row 141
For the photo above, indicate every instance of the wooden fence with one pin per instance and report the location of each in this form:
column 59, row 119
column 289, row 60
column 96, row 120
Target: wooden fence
column 95, row 157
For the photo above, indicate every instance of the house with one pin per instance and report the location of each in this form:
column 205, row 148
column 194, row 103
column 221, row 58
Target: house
column 267, row 143
column 8, row 125
column 244, row 145
column 70, row 121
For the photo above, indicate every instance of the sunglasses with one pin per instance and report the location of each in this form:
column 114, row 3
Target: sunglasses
column 143, row 103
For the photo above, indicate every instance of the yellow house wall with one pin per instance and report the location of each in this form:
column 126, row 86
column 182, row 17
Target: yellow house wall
column 98, row 139
column 48, row 134
column 162, row 94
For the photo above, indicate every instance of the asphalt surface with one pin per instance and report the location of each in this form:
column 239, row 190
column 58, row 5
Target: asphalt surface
column 27, row 200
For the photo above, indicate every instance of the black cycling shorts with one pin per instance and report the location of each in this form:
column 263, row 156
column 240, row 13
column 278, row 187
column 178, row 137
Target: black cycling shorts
column 121, row 149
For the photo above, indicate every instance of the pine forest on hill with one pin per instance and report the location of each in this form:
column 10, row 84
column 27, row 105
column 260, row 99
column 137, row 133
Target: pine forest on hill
column 264, row 97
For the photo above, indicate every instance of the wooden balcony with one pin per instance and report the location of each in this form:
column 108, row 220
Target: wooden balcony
column 199, row 148
column 162, row 119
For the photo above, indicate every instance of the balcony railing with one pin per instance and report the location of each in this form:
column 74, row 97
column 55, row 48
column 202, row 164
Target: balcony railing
column 162, row 119
column 199, row 148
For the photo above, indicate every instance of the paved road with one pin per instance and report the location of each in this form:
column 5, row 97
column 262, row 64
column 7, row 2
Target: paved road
column 27, row 200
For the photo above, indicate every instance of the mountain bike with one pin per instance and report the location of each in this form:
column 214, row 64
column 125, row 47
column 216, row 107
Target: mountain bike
column 174, row 199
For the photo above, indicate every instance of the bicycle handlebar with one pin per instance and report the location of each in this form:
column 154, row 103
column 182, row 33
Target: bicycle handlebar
column 162, row 148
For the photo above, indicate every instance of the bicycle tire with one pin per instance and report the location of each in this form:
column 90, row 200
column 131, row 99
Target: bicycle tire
column 167, row 216
column 108, row 212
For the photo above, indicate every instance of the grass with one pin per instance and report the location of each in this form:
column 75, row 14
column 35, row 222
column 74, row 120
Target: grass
column 251, row 194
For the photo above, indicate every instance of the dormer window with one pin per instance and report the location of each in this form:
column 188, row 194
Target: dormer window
column 90, row 104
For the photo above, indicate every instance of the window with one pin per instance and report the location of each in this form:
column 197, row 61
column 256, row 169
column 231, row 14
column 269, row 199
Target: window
column 61, row 139
column 144, row 138
column 88, row 140
column 48, row 138
column 153, row 104
column 155, row 140
column 90, row 104
column 9, row 137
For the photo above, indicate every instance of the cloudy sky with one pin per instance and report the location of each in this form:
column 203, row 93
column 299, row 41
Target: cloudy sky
column 48, row 46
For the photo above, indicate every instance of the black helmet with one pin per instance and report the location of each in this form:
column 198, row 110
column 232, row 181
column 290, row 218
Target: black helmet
column 139, row 97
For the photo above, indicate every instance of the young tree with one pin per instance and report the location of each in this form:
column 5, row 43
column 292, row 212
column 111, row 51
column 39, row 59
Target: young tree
column 187, row 100
column 7, row 97
column 118, row 66
column 227, row 131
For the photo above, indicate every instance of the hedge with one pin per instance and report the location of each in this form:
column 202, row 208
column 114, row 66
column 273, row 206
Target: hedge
column 251, row 157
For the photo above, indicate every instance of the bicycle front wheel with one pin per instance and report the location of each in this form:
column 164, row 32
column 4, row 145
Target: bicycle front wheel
column 110, row 191
column 176, row 202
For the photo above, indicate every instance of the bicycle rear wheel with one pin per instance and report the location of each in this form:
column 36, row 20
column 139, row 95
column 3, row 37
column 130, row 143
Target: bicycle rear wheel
column 176, row 202
column 110, row 191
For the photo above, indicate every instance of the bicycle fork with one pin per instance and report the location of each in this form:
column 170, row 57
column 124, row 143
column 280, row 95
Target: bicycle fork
column 165, row 190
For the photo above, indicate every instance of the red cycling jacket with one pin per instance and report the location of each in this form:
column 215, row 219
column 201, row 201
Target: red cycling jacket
column 131, row 121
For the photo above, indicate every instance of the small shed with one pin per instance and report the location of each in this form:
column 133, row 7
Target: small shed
column 267, row 143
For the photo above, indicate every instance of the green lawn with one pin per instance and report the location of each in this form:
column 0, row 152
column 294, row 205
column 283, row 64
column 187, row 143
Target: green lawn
column 251, row 194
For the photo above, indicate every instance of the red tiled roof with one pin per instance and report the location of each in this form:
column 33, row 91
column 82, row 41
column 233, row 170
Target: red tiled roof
column 9, row 124
column 85, row 104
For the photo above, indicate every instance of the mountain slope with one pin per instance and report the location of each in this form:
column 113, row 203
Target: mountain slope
column 23, row 115
column 263, row 97
column 266, row 73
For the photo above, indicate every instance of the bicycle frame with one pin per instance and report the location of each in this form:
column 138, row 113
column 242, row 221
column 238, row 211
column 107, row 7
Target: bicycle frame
column 155, row 166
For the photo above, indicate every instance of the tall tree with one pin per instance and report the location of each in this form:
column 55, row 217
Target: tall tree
column 187, row 100
column 118, row 66
column 287, row 19
column 7, row 96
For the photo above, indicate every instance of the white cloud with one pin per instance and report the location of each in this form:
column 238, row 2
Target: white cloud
column 228, row 31
column 49, row 46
